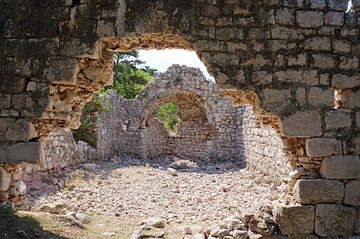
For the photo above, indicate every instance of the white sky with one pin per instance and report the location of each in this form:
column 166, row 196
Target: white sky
column 163, row 59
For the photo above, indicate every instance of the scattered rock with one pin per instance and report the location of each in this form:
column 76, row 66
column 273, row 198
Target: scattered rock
column 172, row 172
column 54, row 208
column 156, row 222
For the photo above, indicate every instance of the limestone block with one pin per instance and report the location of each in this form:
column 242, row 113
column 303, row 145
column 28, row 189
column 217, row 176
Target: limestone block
column 299, row 60
column 302, row 124
column 349, row 63
column 105, row 29
column 317, row 4
column 5, row 101
column 292, row 3
column 338, row 5
column 25, row 152
column 5, row 180
column 19, row 101
column 341, row 167
column 318, row 43
column 334, row 18
column 21, row 130
column 286, row 33
column 224, row 60
column 339, row 118
column 341, row 82
column 358, row 119
column 310, row 19
column 317, row 96
column 310, row 191
column 228, row 34
column 320, row 147
column 323, row 61
column 334, row 220
column 285, row 16
column 295, row 219
column 341, row 46
column 5, row 123
column 262, row 77
column 12, row 84
column 350, row 99
column 352, row 193
column 276, row 96
column 62, row 70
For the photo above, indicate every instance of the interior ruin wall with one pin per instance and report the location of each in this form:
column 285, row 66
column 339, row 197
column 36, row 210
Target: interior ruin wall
column 294, row 55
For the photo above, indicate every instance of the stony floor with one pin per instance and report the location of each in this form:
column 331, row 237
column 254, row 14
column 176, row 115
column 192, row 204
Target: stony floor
column 179, row 191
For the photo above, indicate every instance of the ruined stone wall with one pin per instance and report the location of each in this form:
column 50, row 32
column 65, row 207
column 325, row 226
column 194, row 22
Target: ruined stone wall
column 260, row 145
column 191, row 141
column 290, row 55
column 206, row 127
column 155, row 139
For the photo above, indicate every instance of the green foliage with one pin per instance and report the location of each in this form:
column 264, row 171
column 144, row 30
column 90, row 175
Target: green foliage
column 130, row 77
column 169, row 116
column 86, row 131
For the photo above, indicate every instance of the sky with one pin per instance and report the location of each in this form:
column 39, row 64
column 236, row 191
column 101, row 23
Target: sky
column 163, row 59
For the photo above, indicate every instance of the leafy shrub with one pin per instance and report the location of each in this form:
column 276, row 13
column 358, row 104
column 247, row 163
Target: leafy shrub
column 169, row 116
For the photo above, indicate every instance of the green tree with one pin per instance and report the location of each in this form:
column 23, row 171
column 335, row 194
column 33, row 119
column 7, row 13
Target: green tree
column 130, row 76
column 167, row 114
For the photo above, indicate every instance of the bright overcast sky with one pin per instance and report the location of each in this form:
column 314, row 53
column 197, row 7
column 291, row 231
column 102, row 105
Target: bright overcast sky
column 163, row 59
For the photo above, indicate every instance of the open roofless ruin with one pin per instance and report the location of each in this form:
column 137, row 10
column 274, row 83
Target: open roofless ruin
column 287, row 74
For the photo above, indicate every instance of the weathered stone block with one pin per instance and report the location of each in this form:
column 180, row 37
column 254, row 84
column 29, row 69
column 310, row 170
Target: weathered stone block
column 5, row 180
column 295, row 219
column 224, row 59
column 341, row 167
column 317, row 4
column 302, row 124
column 228, row 34
column 262, row 77
column 341, row 82
column 25, row 152
column 310, row 191
column 350, row 99
column 318, row 97
column 105, row 29
column 62, row 70
column 285, row 16
column 276, row 96
column 12, row 84
column 5, row 101
column 352, row 193
column 21, row 130
column 338, row 5
column 299, row 60
column 19, row 101
column 321, row 147
column 318, row 43
column 341, row 46
column 339, row 118
column 286, row 33
column 5, row 123
column 323, row 61
column 349, row 63
column 334, row 220
column 334, row 18
column 310, row 19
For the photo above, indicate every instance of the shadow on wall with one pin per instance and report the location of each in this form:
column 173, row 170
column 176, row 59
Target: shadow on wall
column 13, row 226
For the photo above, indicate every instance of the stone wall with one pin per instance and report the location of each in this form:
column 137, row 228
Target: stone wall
column 286, row 56
column 260, row 145
column 59, row 150
column 207, row 120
